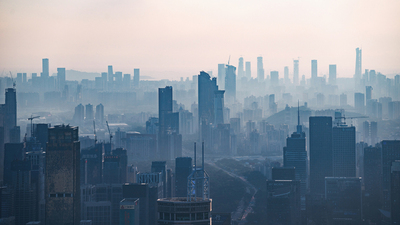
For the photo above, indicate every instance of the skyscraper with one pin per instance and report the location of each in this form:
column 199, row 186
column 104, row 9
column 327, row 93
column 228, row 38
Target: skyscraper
column 219, row 107
column 221, row 75
column 395, row 192
column 230, row 83
column 368, row 93
column 164, row 106
column 390, row 153
column 372, row 179
column 344, row 151
column 274, row 78
column 286, row 74
column 332, row 74
column 62, row 186
column 100, row 113
column 260, row 69
column 314, row 69
column 359, row 102
column 320, row 152
column 295, row 155
column 136, row 77
column 110, row 73
column 248, row 70
column 183, row 168
column 89, row 112
column 45, row 68
column 241, row 68
column 60, row 78
column 357, row 74
column 296, row 71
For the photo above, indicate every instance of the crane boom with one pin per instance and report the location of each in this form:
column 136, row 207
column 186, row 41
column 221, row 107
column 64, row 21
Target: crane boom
column 108, row 127
column 31, row 119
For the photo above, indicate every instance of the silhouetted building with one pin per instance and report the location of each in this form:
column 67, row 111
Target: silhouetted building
column 314, row 69
column 283, row 173
column 221, row 76
column 332, row 74
column 240, row 69
column 320, row 152
column 136, row 78
column 248, row 70
column 79, row 114
column 91, row 171
column 218, row 107
column 357, row 74
column 395, row 192
column 100, row 113
column 359, row 102
column 296, row 72
column 344, row 151
column 230, row 83
column 343, row 100
column 390, row 153
column 260, row 69
column 274, row 78
column 129, row 211
column 62, row 187
column 368, row 93
column 45, row 69
column 183, row 168
column 372, row 178
column 343, row 195
column 89, row 112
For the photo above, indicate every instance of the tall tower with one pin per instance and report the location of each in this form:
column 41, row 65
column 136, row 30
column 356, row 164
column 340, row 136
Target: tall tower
column 62, row 186
column 110, row 73
column 320, row 152
column 357, row 74
column 221, row 76
column 314, row 69
column 286, row 74
column 260, row 69
column 296, row 71
column 332, row 74
column 60, row 78
column 45, row 68
column 219, row 107
column 136, row 77
column 230, row 83
column 241, row 68
column 248, row 70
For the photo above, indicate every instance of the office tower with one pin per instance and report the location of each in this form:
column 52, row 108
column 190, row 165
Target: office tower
column 146, row 201
column 320, row 152
column 129, row 211
column 272, row 106
column 62, row 187
column 161, row 167
column 18, row 80
column 344, row 151
column 283, row 204
column 114, row 168
column 60, row 78
column 8, row 112
column 343, row 99
column 79, row 113
column 183, row 168
column 100, row 113
column 390, row 153
column 260, row 69
column 136, row 78
column 372, row 178
column 368, row 93
column 164, row 106
column 314, row 69
column 295, row 155
column 110, row 73
column 221, row 76
column 91, row 164
column 218, row 107
column 372, row 77
column 374, row 132
column 274, row 78
column 286, row 74
column 126, row 81
column 366, row 132
column 395, row 192
column 89, row 112
column 241, row 68
column 332, row 74
column 359, row 102
column 248, row 70
column 230, row 83
column 45, row 68
column 24, row 78
column 357, row 74
column 296, row 71
column 343, row 196
column 206, row 92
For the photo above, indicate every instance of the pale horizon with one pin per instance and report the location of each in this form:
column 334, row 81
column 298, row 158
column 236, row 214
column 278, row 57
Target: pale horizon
column 169, row 40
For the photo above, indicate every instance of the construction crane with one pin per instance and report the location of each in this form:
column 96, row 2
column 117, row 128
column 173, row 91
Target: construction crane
column 31, row 119
column 108, row 127
column 94, row 131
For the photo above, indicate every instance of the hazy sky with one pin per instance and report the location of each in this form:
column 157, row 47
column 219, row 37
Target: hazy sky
column 170, row 39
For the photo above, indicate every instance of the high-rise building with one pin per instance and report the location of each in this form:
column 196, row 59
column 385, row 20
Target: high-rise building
column 45, row 68
column 343, row 196
column 274, row 78
column 221, row 76
column 296, row 71
column 62, row 176
column 89, row 112
column 183, row 168
column 368, row 93
column 343, row 100
column 372, row 179
column 286, row 74
column 175, row 210
column 219, row 107
column 161, row 167
column 248, row 70
column 283, row 173
column 395, row 192
column 359, row 102
column 260, row 69
column 390, row 153
column 332, row 74
column 283, row 204
column 136, row 78
column 320, row 152
column 147, row 201
column 230, row 83
column 126, row 81
column 79, row 113
column 240, row 69
column 164, row 106
column 129, row 211
column 8, row 112
column 374, row 132
column 110, row 73
column 358, row 72
column 100, row 113
column 344, row 151
column 314, row 69
column 295, row 155
column 60, row 78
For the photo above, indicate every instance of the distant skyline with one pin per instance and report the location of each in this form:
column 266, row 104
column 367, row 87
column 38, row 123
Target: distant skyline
column 173, row 39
